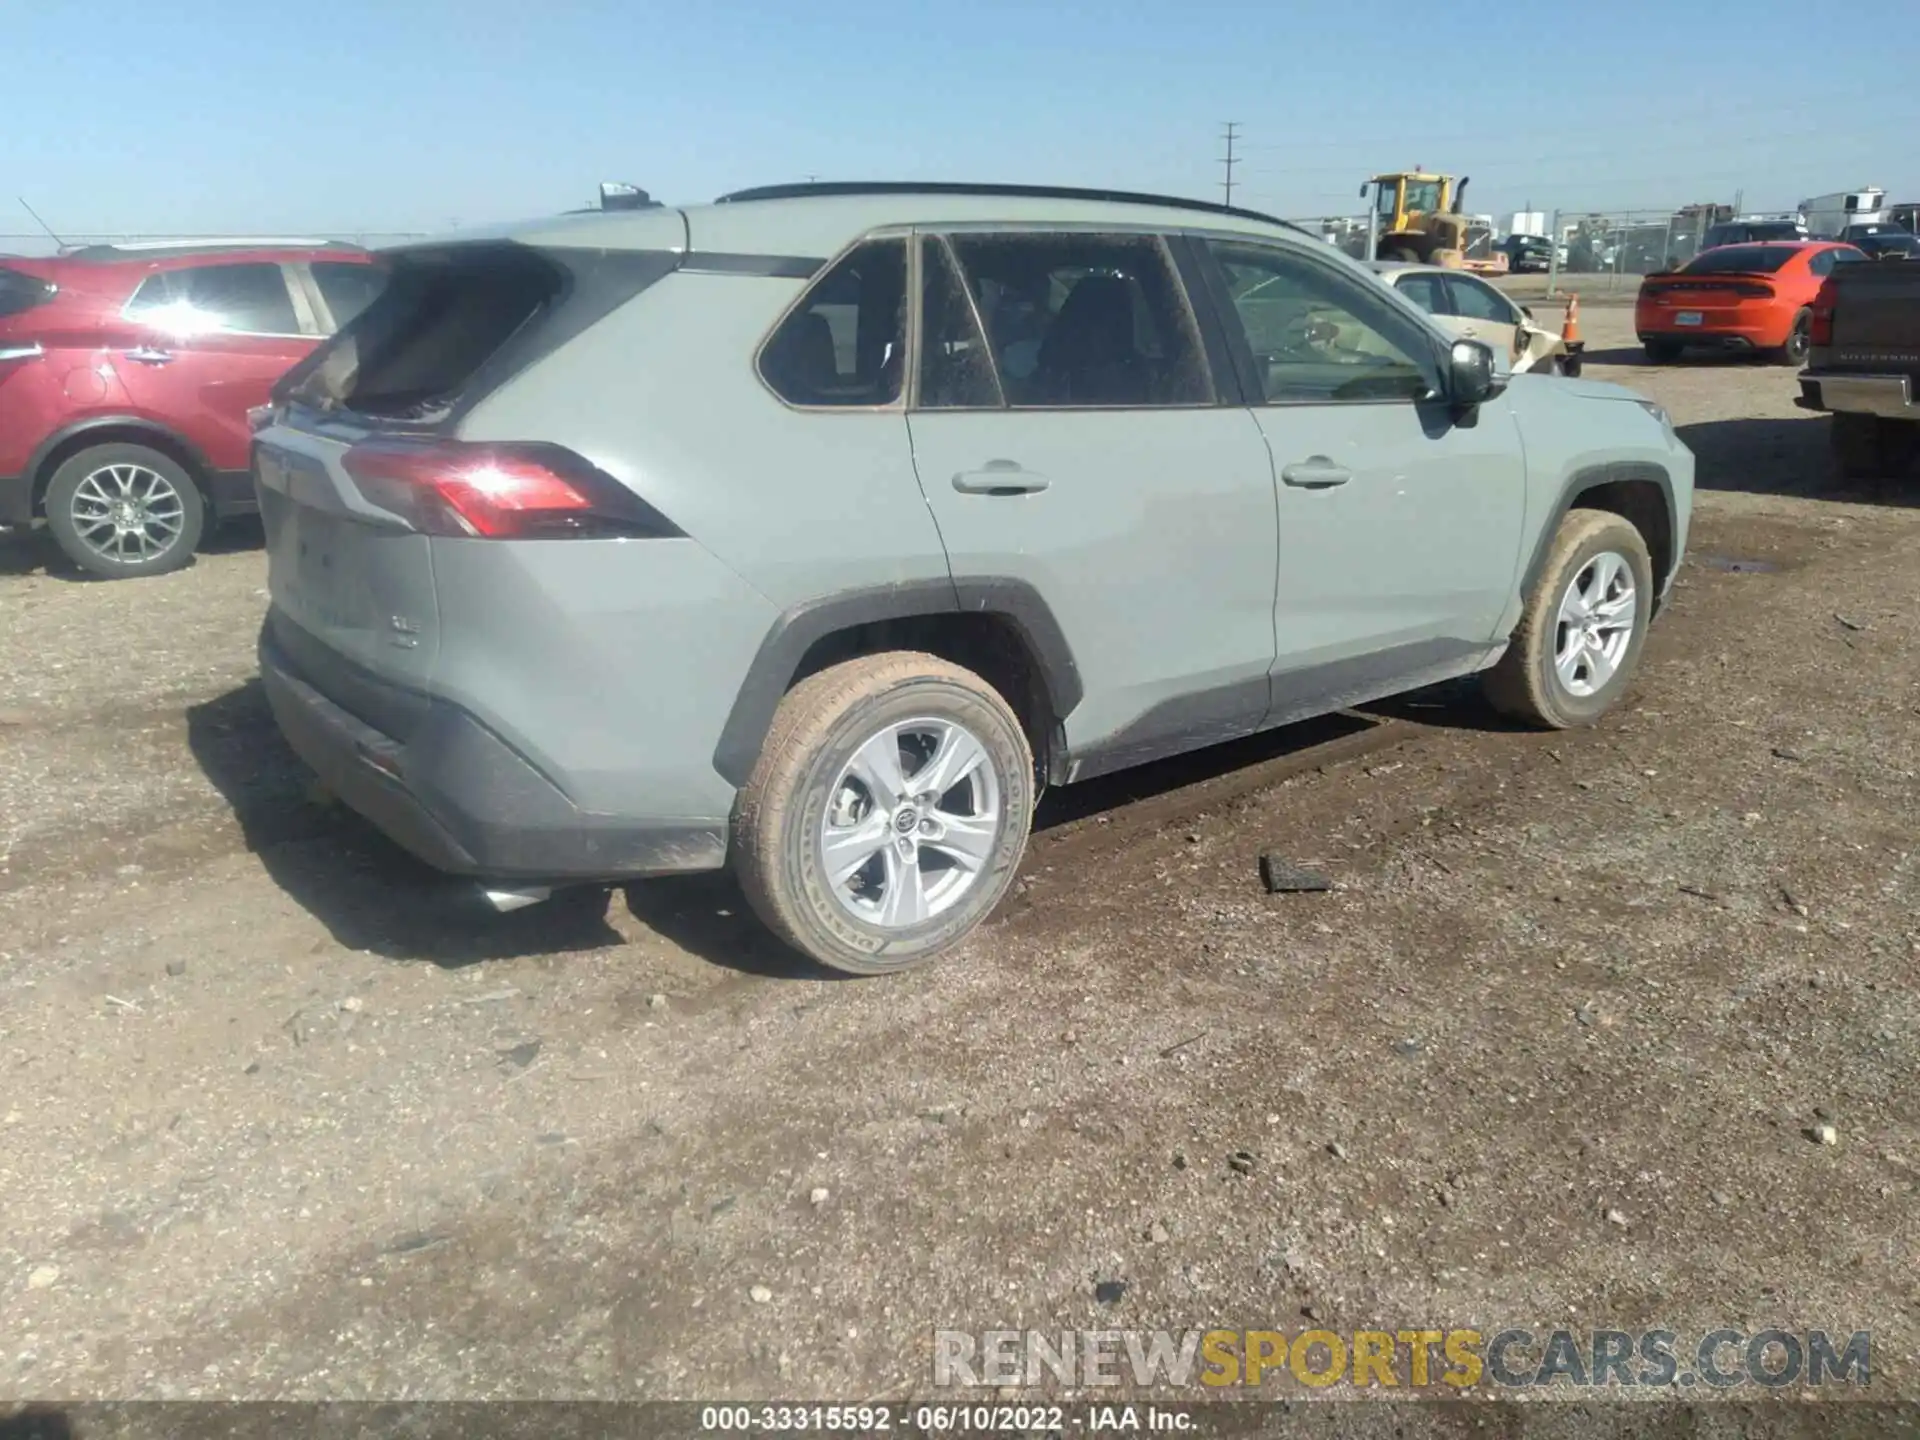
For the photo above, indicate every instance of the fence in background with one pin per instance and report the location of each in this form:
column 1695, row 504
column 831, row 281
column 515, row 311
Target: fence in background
column 37, row 242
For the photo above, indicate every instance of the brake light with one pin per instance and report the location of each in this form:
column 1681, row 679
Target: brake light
column 499, row 492
column 1820, row 326
column 1750, row 291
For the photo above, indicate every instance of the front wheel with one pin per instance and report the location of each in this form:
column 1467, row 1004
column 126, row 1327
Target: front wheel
column 121, row 511
column 887, row 813
column 1578, row 642
column 1799, row 341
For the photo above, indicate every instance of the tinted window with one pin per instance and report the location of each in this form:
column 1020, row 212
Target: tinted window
column 1475, row 301
column 1085, row 320
column 845, row 343
column 20, row 292
column 956, row 371
column 1894, row 243
column 234, row 299
column 1747, row 259
column 1425, row 291
column 1319, row 335
column 347, row 289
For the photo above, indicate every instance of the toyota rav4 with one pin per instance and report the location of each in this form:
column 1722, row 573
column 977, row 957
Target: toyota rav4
column 817, row 529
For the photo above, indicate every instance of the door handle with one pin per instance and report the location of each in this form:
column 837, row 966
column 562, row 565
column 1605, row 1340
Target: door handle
column 1000, row 477
column 1318, row 473
column 147, row 355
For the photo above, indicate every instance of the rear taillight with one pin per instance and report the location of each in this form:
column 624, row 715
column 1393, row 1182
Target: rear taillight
column 499, row 492
column 1820, row 328
column 1752, row 291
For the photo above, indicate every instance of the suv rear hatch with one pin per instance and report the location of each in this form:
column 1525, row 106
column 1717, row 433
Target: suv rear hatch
column 359, row 467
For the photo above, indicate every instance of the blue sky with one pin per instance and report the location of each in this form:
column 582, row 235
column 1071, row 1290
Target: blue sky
column 162, row 116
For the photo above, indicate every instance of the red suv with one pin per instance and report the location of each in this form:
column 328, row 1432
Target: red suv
column 126, row 375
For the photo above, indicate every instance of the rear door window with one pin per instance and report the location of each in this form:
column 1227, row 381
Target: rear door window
column 844, row 345
column 1084, row 320
column 241, row 299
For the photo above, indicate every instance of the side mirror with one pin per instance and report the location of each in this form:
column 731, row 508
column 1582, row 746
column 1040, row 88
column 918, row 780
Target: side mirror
column 1473, row 375
column 1363, row 192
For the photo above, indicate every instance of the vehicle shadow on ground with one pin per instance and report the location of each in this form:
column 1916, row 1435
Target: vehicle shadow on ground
column 1784, row 457
column 27, row 552
column 370, row 894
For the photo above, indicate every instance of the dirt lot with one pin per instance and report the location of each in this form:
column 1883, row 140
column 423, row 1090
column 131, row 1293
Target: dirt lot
column 281, row 1116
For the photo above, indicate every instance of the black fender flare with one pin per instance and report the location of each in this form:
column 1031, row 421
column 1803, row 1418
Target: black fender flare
column 196, row 457
column 1585, row 481
column 799, row 628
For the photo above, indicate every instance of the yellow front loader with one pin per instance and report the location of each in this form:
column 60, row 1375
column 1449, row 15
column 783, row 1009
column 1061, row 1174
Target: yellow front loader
column 1415, row 216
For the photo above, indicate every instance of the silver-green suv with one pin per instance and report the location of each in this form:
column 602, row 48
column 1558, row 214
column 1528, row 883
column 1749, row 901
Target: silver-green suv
column 813, row 531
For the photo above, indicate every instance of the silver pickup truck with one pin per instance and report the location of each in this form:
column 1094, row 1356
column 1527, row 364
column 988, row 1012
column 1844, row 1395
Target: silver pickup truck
column 1864, row 366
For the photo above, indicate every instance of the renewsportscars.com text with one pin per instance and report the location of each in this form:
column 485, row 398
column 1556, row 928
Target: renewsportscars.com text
column 1414, row 1359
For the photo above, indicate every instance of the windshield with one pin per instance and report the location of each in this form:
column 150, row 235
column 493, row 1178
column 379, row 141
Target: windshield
column 1423, row 195
column 1743, row 259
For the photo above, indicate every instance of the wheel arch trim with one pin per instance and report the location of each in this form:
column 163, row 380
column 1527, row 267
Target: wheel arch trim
column 199, row 467
column 1586, row 480
column 799, row 628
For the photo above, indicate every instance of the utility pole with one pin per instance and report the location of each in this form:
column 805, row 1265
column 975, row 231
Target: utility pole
column 1231, row 135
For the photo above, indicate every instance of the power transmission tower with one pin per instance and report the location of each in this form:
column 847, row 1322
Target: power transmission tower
column 1229, row 160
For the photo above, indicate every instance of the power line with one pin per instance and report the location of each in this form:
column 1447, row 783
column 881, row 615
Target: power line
column 1229, row 160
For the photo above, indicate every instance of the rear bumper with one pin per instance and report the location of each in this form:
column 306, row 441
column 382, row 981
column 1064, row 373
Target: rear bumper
column 1888, row 396
column 458, row 797
column 16, row 499
column 1695, row 338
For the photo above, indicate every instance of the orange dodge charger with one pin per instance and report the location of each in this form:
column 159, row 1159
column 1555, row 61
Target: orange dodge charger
column 1738, row 297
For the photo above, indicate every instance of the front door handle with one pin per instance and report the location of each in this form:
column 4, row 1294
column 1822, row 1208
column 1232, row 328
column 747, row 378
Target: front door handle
column 1000, row 477
column 147, row 355
column 1318, row 473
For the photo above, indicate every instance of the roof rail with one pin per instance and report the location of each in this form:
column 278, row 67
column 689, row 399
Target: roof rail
column 116, row 251
column 826, row 188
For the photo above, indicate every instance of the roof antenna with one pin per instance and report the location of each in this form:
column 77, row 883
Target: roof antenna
column 38, row 221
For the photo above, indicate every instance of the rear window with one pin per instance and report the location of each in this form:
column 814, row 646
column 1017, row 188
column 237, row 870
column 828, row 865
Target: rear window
column 1741, row 259
column 20, row 291
column 449, row 324
column 442, row 316
column 347, row 289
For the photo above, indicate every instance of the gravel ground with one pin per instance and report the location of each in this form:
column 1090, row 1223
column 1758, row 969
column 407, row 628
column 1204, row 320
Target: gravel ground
column 283, row 1117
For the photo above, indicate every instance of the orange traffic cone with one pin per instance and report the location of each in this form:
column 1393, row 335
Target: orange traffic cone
column 1570, row 338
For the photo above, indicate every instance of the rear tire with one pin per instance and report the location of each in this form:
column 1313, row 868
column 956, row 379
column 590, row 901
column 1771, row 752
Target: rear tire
column 1799, row 341
column 1869, row 447
column 124, row 511
column 1662, row 352
column 842, row 847
column 1574, row 652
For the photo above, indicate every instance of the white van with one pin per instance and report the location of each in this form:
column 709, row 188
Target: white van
column 1825, row 216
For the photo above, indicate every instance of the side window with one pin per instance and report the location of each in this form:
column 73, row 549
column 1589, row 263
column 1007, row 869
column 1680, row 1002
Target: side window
column 956, row 371
column 1473, row 300
column 1847, row 256
column 1822, row 263
column 250, row 299
column 347, row 289
column 1318, row 335
column 844, row 344
column 1424, row 291
column 1091, row 320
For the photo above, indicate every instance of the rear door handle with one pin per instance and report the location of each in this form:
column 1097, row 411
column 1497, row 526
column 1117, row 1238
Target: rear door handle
column 147, row 355
column 1000, row 477
column 1318, row 473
